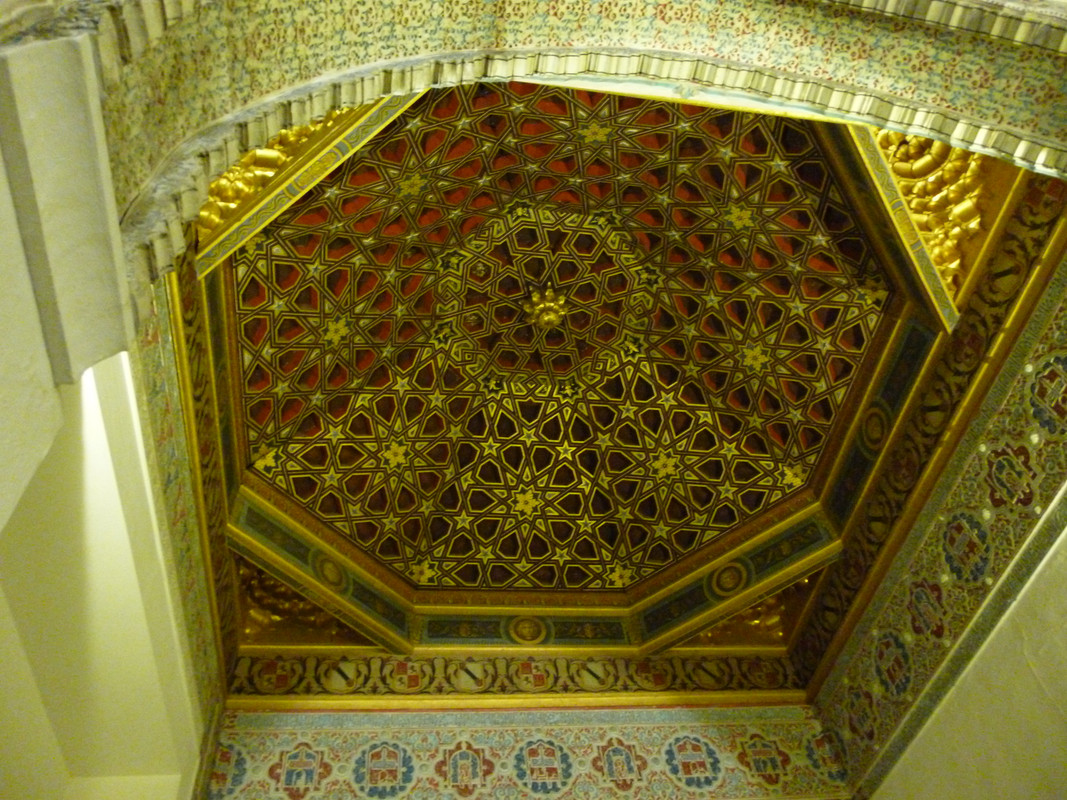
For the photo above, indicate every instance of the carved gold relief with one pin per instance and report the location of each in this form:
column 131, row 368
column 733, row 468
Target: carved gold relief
column 767, row 623
column 545, row 310
column 275, row 613
column 943, row 187
column 231, row 193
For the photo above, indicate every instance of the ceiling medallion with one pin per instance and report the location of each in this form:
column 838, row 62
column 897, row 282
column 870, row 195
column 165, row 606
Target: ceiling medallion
column 545, row 310
column 527, row 630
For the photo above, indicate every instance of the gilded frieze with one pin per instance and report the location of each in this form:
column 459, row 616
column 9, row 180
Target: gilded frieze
column 547, row 678
column 232, row 193
column 274, row 613
column 953, row 197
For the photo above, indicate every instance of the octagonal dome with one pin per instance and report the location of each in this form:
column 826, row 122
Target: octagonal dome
column 535, row 347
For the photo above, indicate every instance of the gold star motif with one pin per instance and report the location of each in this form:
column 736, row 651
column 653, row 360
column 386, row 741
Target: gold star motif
column 620, row 576
column 792, row 476
column 594, row 133
column 871, row 294
column 410, row 186
column 525, row 503
column 665, row 465
column 396, row 455
column 754, row 357
column 336, row 331
column 423, row 572
column 740, row 217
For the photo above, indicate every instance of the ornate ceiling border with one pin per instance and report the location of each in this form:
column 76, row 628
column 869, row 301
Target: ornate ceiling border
column 756, row 569
column 935, row 607
column 338, row 680
column 153, row 221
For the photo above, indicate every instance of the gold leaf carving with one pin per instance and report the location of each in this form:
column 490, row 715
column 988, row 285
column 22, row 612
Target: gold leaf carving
column 767, row 623
column 275, row 613
column 236, row 189
column 942, row 186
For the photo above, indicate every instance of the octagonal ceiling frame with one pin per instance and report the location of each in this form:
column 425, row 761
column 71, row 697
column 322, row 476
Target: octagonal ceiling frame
column 312, row 167
column 786, row 552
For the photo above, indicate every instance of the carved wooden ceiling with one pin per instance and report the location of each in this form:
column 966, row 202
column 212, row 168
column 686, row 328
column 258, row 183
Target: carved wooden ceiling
column 535, row 369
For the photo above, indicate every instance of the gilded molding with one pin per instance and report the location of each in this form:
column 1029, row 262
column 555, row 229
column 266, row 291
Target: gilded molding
column 274, row 177
column 272, row 611
column 234, row 192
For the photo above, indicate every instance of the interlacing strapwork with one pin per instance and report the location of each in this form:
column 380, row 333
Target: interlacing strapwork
column 530, row 338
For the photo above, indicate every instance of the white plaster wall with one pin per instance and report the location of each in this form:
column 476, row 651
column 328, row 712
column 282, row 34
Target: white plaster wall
column 1001, row 731
column 60, row 247
column 24, row 726
column 88, row 616
column 52, row 136
column 29, row 405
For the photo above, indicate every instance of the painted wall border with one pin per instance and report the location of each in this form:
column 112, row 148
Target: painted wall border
column 1038, row 531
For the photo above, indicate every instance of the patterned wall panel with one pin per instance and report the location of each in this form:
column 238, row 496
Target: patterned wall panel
column 991, row 519
column 188, row 303
column 1021, row 252
column 780, row 753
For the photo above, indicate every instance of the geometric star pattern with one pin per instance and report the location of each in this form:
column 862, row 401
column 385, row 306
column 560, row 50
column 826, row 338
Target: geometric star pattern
column 717, row 303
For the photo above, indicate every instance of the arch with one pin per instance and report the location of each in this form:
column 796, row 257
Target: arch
column 283, row 64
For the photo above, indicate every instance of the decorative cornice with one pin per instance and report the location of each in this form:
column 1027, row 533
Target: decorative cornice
column 70, row 19
column 1035, row 23
column 152, row 225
